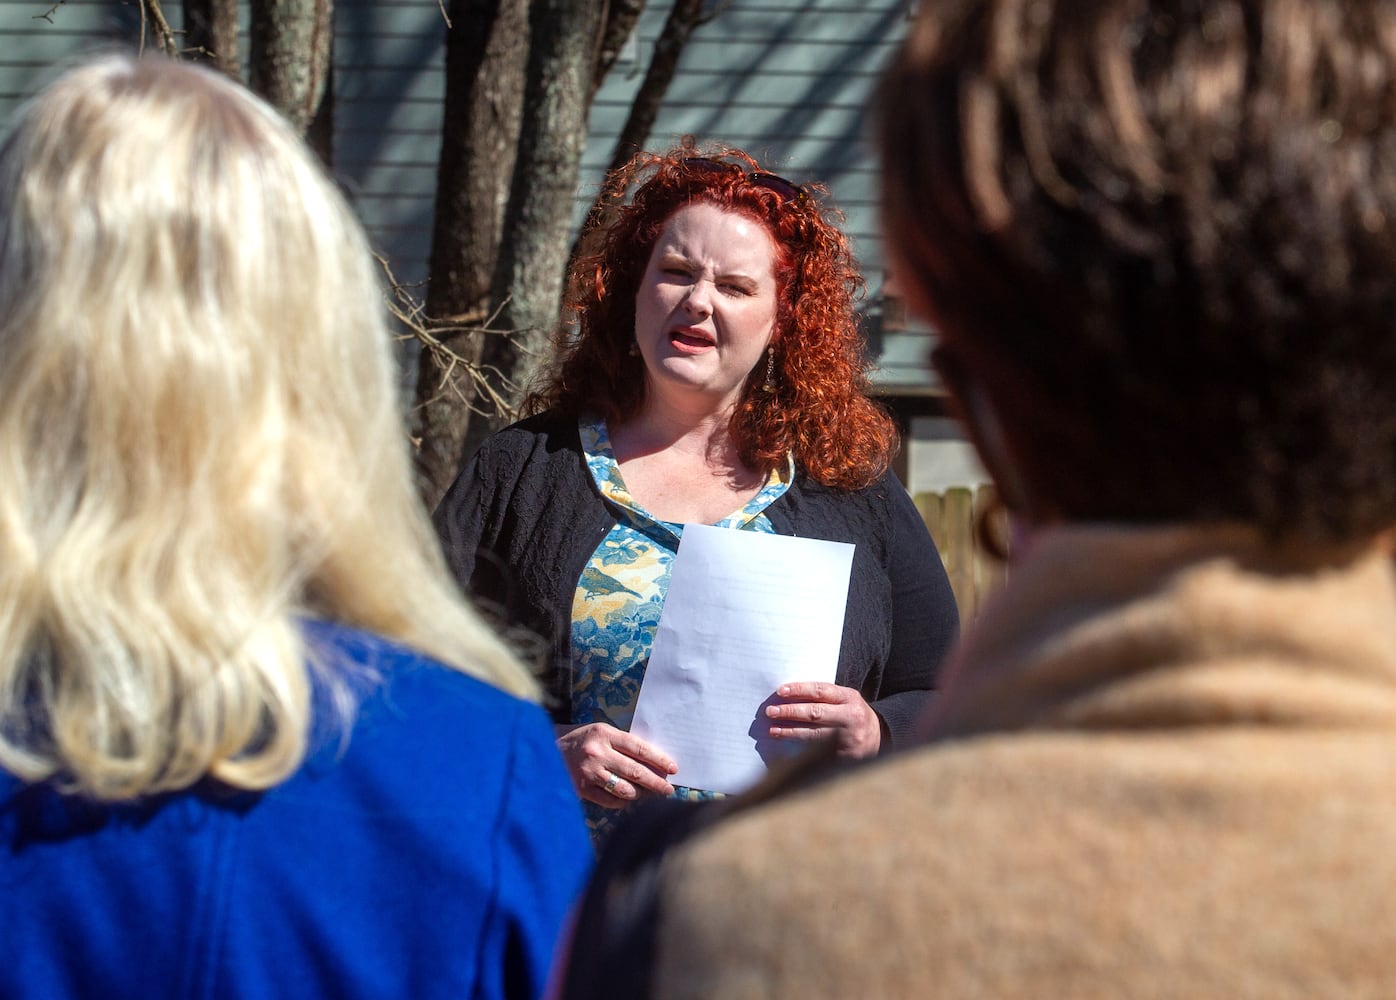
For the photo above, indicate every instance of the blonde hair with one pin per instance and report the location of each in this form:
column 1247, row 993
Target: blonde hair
column 200, row 442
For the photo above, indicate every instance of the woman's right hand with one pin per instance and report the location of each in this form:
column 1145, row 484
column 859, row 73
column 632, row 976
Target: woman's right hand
column 613, row 768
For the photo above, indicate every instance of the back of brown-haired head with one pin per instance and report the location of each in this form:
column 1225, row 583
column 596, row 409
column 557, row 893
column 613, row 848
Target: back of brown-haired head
column 1159, row 239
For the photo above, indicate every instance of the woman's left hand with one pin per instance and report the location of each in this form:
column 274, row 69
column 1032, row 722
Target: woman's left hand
column 813, row 710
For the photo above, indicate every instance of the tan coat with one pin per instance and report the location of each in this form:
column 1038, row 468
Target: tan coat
column 1165, row 766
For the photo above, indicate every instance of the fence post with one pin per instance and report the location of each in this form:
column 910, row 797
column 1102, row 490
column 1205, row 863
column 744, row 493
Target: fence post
column 952, row 518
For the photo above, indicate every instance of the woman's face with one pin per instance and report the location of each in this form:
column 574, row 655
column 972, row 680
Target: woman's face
column 706, row 308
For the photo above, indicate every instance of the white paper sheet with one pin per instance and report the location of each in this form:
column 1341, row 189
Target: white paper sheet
column 745, row 613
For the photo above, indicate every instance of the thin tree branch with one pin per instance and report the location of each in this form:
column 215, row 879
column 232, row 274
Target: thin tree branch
column 483, row 389
column 48, row 14
column 717, row 9
column 164, row 37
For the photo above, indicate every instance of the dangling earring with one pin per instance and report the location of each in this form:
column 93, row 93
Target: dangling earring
column 634, row 349
column 770, row 384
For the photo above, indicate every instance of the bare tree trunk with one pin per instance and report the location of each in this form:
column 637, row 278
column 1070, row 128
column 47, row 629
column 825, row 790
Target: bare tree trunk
column 319, row 133
column 486, row 56
column 521, row 76
column 533, row 256
column 684, row 17
column 211, row 34
column 621, row 16
column 153, row 22
column 290, row 55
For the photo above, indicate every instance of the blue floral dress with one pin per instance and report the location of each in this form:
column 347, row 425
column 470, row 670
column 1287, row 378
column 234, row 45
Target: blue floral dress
column 616, row 607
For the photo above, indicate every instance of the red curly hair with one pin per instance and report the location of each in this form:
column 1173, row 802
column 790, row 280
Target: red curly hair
column 819, row 411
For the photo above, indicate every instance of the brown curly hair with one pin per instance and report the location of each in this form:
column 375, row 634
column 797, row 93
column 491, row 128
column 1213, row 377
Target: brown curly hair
column 819, row 410
column 1160, row 236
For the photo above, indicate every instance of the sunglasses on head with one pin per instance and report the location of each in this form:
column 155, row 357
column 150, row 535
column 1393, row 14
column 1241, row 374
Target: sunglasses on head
column 787, row 190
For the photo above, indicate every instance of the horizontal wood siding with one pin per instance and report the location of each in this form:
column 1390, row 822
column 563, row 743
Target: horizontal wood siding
column 38, row 39
column 389, row 84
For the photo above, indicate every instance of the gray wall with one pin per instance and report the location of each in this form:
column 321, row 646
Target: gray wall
column 33, row 48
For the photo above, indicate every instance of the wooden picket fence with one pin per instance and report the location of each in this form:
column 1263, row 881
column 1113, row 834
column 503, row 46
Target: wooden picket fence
column 953, row 518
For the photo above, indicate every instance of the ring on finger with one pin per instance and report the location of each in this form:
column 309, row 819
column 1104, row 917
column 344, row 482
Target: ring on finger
column 611, row 783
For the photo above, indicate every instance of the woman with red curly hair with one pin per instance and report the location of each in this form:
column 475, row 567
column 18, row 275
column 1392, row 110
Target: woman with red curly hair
column 715, row 374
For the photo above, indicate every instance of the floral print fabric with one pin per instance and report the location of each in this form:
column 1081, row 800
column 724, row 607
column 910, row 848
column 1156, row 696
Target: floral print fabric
column 616, row 607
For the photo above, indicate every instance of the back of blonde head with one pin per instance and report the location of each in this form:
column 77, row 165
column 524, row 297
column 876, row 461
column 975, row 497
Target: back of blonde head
column 200, row 441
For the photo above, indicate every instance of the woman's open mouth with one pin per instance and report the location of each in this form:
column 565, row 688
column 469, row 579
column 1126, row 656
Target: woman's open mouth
column 690, row 341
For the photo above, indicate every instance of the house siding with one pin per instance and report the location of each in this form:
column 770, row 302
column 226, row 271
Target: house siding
column 38, row 39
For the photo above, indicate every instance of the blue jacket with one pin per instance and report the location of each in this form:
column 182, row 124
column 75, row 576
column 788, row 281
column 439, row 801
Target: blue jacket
column 436, row 853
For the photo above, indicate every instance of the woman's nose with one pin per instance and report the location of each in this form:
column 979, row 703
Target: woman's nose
column 699, row 298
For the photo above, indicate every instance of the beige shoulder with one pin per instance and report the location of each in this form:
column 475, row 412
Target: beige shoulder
column 1052, row 864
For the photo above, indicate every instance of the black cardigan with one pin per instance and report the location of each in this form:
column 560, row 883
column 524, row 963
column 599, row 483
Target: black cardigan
column 524, row 516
